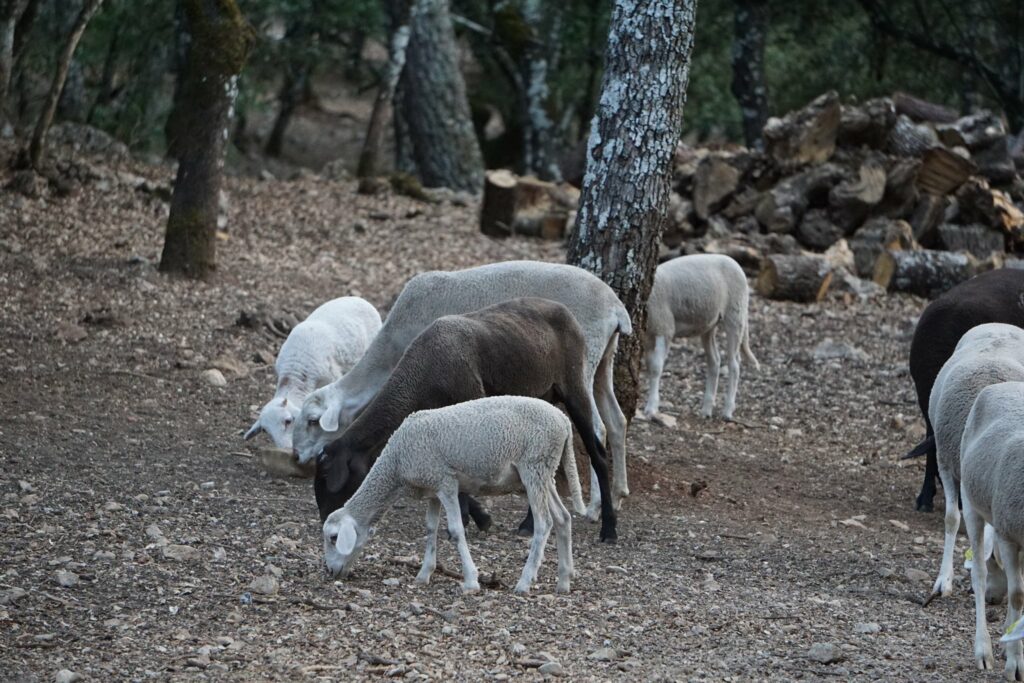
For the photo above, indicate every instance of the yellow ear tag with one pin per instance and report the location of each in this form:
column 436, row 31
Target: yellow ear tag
column 1015, row 632
column 968, row 554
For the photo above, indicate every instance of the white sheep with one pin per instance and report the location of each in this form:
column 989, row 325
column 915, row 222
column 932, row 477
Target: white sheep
column 318, row 351
column 992, row 490
column 986, row 354
column 428, row 296
column 693, row 295
column 489, row 446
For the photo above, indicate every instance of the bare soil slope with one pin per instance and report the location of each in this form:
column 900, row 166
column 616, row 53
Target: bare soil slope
column 123, row 476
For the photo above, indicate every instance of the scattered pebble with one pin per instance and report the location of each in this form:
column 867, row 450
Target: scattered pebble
column 914, row 574
column 869, row 627
column 605, row 654
column 182, row 553
column 825, row 653
column 214, row 377
column 67, row 676
column 264, row 585
column 65, row 578
column 551, row 669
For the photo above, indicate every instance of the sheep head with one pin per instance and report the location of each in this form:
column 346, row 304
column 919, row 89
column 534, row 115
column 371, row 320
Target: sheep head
column 344, row 539
column 277, row 419
column 338, row 476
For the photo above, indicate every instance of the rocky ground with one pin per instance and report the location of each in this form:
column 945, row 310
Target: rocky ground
column 141, row 538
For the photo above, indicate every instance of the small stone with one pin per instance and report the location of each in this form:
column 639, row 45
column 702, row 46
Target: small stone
column 113, row 506
column 391, row 582
column 71, row 333
column 853, row 521
column 831, row 350
column 914, row 574
column 214, row 377
column 886, row 572
column 825, row 653
column 67, row 676
column 65, row 578
column 206, row 485
column 11, row 595
column 264, row 585
column 551, row 669
column 104, row 556
column 869, row 627
column 605, row 654
column 182, row 553
column 614, row 569
column 899, row 525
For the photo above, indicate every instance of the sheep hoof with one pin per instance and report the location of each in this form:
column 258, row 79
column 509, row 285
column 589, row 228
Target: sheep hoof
column 483, row 522
column 469, row 588
column 609, row 536
column 984, row 660
column 520, row 589
column 594, row 512
column 422, row 580
column 562, row 588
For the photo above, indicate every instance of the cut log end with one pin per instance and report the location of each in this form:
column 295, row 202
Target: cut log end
column 924, row 272
column 803, row 278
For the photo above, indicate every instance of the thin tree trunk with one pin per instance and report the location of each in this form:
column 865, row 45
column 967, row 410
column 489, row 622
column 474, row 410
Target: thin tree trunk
column 71, row 104
column 174, row 127
column 221, row 40
column 750, row 26
column 383, row 106
column 106, row 92
column 10, row 12
column 35, row 151
column 538, row 129
column 290, row 97
column 432, row 95
column 629, row 162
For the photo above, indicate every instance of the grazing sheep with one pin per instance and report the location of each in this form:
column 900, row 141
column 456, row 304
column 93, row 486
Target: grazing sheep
column 987, row 354
column 318, row 351
column 488, row 446
column 693, row 295
column 992, row 489
column 524, row 347
column 996, row 296
column 428, row 296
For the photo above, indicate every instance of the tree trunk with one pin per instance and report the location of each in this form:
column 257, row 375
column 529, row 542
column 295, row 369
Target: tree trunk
column 35, row 150
column 174, row 127
column 383, row 106
column 633, row 136
column 221, row 39
column 10, row 12
column 538, row 129
column 750, row 26
column 432, row 96
column 71, row 106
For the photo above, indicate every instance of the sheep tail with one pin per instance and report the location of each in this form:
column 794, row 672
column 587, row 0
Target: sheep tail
column 572, row 476
column 745, row 346
column 625, row 324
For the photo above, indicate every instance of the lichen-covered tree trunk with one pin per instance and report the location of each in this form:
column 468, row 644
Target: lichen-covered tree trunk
column 750, row 26
column 383, row 107
column 220, row 43
column 432, row 97
column 538, row 128
column 629, row 162
column 35, row 149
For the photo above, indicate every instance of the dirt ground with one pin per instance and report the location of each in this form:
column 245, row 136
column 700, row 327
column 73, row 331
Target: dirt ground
column 138, row 530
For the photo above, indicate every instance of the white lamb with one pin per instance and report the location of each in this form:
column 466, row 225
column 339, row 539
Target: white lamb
column 693, row 295
column 489, row 446
column 986, row 354
column 992, row 490
column 318, row 351
column 428, row 296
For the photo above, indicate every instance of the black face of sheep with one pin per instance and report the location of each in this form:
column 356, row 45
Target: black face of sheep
column 996, row 296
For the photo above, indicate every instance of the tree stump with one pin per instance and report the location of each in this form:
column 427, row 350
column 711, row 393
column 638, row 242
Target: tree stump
column 924, row 272
column 498, row 208
column 803, row 278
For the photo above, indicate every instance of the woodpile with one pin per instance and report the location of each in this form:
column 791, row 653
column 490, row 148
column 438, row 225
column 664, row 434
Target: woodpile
column 919, row 196
column 514, row 205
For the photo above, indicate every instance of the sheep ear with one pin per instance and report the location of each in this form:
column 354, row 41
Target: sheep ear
column 329, row 420
column 254, row 430
column 346, row 537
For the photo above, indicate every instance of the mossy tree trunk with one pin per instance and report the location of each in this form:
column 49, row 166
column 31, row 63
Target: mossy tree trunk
column 431, row 95
column 220, row 42
column 35, row 149
column 750, row 29
column 629, row 162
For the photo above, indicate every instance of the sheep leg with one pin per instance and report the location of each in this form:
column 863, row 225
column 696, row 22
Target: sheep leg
column 732, row 354
column 975, row 532
column 450, row 501
column 430, row 551
column 944, row 582
column 471, row 509
column 563, row 540
column 582, row 416
column 655, row 366
column 931, row 473
column 541, row 530
column 1010, row 554
column 526, row 526
column 614, row 420
column 714, row 364
column 995, row 589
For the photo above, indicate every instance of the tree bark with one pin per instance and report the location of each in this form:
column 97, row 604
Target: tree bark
column 439, row 132
column 221, row 40
column 804, row 278
column 10, row 12
column 633, row 136
column 383, row 106
column 35, row 150
column 924, row 272
column 750, row 28
column 538, row 128
column 174, row 127
column 71, row 106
